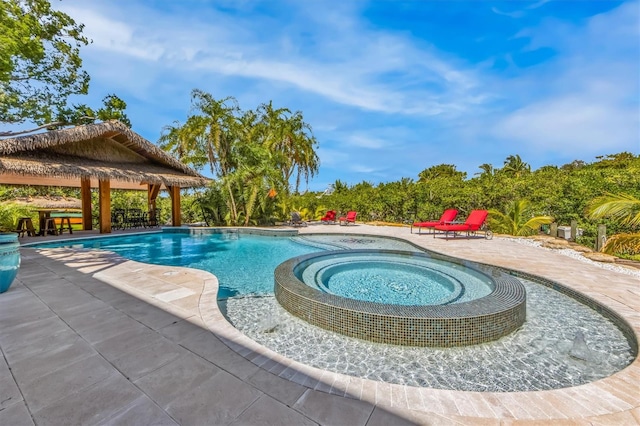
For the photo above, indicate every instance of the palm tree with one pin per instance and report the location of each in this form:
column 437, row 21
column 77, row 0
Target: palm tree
column 515, row 167
column 185, row 142
column 623, row 209
column 247, row 151
column 487, row 170
column 174, row 141
column 518, row 219
column 289, row 134
column 216, row 126
column 440, row 171
column 218, row 123
column 340, row 186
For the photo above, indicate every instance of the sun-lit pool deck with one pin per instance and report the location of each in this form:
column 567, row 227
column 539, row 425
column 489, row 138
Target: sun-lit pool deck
column 92, row 338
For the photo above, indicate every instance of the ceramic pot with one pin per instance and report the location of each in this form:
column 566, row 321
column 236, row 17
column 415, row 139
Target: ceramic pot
column 9, row 259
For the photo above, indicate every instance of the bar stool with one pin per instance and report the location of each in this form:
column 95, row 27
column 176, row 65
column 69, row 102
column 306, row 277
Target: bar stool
column 25, row 225
column 62, row 228
column 50, row 226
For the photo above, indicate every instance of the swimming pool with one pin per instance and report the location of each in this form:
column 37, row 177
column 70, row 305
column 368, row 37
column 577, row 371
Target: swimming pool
column 539, row 356
column 244, row 264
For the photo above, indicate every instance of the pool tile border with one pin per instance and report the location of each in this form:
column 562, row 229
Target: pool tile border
column 479, row 321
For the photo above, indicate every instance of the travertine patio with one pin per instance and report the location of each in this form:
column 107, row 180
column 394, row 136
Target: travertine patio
column 90, row 338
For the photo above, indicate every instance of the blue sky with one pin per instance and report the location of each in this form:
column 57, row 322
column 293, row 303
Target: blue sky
column 389, row 87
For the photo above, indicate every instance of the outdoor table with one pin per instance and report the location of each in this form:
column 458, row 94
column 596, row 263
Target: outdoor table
column 44, row 215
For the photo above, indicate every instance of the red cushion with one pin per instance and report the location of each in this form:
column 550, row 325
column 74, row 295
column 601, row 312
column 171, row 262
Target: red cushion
column 454, row 227
column 426, row 224
column 476, row 218
column 449, row 215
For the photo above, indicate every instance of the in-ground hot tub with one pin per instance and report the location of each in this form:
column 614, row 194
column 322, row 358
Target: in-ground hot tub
column 402, row 298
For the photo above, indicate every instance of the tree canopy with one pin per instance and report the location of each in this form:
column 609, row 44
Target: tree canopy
column 254, row 154
column 40, row 64
column 113, row 108
column 622, row 209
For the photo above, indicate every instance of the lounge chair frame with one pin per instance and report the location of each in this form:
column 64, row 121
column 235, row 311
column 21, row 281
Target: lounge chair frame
column 329, row 217
column 476, row 223
column 296, row 220
column 349, row 218
column 484, row 230
column 447, row 217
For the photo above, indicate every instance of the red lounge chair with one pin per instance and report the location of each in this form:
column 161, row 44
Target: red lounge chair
column 449, row 215
column 329, row 216
column 349, row 218
column 474, row 223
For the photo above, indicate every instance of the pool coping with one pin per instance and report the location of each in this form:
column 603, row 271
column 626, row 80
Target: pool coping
column 608, row 398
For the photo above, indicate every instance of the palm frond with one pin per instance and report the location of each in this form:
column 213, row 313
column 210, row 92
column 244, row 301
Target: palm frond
column 623, row 244
column 623, row 208
column 501, row 222
column 533, row 224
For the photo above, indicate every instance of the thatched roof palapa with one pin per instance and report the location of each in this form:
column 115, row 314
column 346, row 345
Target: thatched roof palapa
column 49, row 202
column 108, row 150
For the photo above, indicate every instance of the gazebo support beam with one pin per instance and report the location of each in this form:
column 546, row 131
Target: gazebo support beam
column 104, row 194
column 85, row 192
column 174, row 193
column 153, row 189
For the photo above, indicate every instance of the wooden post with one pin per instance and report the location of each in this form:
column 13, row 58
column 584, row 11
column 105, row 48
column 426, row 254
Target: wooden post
column 601, row 239
column 152, row 193
column 85, row 191
column 574, row 230
column 174, row 193
column 104, row 194
column 553, row 230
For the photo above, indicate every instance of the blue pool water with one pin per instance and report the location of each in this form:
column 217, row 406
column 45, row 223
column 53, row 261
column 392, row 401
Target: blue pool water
column 243, row 264
column 394, row 278
column 384, row 282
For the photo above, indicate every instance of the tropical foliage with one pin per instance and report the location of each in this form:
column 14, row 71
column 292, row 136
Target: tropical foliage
column 622, row 208
column 569, row 192
column 254, row 155
column 41, row 68
column 517, row 220
column 40, row 64
column 625, row 210
column 113, row 108
column 10, row 213
column 515, row 167
column 551, row 191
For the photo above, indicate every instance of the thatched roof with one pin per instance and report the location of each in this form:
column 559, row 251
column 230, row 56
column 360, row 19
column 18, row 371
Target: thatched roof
column 49, row 202
column 108, row 150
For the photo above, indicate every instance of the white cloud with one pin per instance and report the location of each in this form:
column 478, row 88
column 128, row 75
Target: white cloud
column 520, row 13
column 363, row 141
column 332, row 158
column 362, row 168
column 538, row 4
column 516, row 14
column 114, row 35
column 588, row 97
column 343, row 64
column 571, row 126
